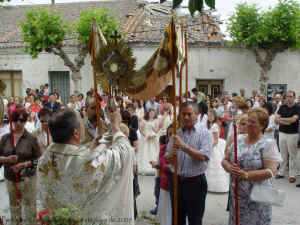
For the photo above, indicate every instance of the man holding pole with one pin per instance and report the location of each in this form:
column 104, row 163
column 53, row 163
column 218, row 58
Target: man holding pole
column 192, row 146
column 90, row 123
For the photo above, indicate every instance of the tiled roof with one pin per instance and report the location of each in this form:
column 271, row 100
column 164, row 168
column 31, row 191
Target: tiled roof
column 143, row 22
column 151, row 21
column 10, row 33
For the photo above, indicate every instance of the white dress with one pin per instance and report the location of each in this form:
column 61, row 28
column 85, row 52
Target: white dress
column 148, row 148
column 217, row 178
column 203, row 121
column 164, row 208
column 29, row 126
column 139, row 112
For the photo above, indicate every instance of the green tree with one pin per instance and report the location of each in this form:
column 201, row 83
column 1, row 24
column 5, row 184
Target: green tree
column 266, row 33
column 45, row 30
column 194, row 5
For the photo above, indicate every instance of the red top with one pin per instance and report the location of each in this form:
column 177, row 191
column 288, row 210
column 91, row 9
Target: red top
column 12, row 108
column 35, row 108
column 164, row 168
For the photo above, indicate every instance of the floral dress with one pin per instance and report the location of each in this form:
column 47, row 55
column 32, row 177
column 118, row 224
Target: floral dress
column 250, row 157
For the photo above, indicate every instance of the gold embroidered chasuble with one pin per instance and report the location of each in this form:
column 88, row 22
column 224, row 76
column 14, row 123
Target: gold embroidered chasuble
column 99, row 182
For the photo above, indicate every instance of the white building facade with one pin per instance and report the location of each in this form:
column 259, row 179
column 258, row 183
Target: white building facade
column 211, row 69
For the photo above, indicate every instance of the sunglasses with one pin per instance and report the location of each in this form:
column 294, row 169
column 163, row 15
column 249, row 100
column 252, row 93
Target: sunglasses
column 44, row 121
column 20, row 120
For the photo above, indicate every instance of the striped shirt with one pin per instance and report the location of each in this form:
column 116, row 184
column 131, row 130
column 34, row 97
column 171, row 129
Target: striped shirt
column 199, row 138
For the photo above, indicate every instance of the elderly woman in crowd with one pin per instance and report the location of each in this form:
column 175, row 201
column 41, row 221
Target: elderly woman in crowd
column 20, row 159
column 258, row 159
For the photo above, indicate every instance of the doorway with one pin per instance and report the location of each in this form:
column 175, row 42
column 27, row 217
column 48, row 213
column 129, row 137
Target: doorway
column 14, row 82
column 60, row 80
column 210, row 87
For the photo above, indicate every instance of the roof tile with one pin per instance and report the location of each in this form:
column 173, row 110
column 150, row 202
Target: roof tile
column 143, row 23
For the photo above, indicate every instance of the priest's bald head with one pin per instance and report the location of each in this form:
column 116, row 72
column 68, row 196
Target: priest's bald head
column 65, row 127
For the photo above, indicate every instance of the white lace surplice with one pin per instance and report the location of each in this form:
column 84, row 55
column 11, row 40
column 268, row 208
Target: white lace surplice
column 98, row 182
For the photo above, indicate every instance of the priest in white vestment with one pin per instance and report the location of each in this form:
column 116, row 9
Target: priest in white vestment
column 96, row 179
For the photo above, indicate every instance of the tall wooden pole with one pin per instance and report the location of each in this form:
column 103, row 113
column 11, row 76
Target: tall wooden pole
column 175, row 175
column 186, row 68
column 236, row 181
column 175, row 178
column 97, row 105
column 180, row 74
column 12, row 139
column 48, row 136
column 180, row 94
column 92, row 51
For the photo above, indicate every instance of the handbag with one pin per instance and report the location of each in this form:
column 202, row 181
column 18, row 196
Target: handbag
column 267, row 194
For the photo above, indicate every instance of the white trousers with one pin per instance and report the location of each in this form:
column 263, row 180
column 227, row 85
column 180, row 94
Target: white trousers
column 164, row 208
column 288, row 150
column 2, row 173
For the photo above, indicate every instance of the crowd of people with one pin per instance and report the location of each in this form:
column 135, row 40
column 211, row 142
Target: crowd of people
column 137, row 136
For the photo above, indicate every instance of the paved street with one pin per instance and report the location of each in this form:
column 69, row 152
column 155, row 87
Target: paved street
column 215, row 213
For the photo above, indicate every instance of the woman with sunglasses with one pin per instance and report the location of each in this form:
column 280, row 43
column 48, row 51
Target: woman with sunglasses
column 42, row 132
column 20, row 159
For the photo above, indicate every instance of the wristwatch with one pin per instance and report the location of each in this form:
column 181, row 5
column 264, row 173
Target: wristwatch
column 246, row 176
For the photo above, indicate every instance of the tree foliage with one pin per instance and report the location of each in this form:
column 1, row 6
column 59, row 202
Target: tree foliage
column 278, row 26
column 271, row 31
column 244, row 26
column 194, row 5
column 42, row 30
column 108, row 24
column 45, row 30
